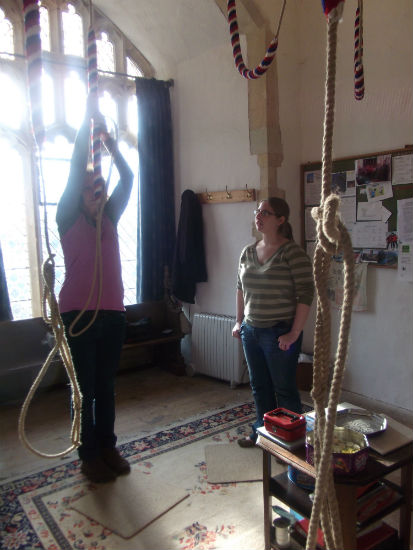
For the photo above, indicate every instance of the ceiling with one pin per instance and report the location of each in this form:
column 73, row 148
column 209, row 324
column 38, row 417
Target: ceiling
column 168, row 32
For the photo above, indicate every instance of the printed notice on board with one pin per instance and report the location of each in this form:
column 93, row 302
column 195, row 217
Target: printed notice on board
column 369, row 235
column 402, row 172
column 405, row 220
column 405, row 265
column 312, row 187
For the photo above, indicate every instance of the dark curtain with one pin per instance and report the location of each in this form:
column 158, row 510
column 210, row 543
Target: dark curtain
column 5, row 309
column 156, row 213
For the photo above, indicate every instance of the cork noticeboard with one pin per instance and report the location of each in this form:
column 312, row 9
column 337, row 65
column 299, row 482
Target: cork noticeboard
column 370, row 187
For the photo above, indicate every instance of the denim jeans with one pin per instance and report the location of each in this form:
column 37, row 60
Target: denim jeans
column 272, row 371
column 96, row 355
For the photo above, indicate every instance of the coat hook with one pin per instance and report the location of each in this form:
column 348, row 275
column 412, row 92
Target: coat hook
column 229, row 196
column 209, row 196
column 249, row 195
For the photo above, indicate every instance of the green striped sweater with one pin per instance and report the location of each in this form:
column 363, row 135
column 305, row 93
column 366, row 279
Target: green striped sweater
column 272, row 290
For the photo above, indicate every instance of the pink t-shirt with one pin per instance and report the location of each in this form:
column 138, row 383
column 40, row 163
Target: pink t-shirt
column 80, row 262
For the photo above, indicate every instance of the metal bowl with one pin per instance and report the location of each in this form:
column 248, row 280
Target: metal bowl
column 361, row 420
column 350, row 451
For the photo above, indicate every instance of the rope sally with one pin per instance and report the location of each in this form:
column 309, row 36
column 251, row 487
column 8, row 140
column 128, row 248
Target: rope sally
column 99, row 185
column 332, row 237
column 92, row 76
column 34, row 72
column 358, row 53
column 31, row 16
column 250, row 74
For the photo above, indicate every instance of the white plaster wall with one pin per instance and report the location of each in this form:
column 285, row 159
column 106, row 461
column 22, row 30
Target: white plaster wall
column 381, row 349
column 212, row 152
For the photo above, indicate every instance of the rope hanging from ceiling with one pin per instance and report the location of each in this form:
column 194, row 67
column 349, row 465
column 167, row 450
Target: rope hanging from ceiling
column 261, row 68
column 99, row 185
column 92, row 80
column 31, row 15
column 332, row 238
column 358, row 53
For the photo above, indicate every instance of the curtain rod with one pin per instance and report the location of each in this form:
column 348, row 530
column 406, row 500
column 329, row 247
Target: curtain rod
column 169, row 82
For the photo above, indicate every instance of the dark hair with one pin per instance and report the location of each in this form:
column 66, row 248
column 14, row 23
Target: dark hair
column 281, row 208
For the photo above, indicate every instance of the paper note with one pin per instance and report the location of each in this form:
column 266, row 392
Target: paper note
column 405, row 265
column 402, row 172
column 312, row 187
column 369, row 235
column 405, row 220
column 348, row 211
column 369, row 211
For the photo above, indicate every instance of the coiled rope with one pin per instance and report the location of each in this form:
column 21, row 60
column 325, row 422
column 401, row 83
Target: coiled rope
column 261, row 68
column 332, row 237
column 34, row 72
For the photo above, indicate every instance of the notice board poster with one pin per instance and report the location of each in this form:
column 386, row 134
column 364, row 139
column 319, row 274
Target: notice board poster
column 376, row 198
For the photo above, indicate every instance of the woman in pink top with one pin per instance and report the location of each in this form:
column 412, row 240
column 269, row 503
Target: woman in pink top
column 96, row 351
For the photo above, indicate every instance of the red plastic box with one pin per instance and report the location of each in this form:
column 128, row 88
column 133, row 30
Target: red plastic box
column 285, row 424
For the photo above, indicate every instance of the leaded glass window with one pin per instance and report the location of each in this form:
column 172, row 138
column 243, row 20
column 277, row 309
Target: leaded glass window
column 72, row 32
column 132, row 68
column 44, row 29
column 6, row 36
column 105, row 53
column 33, row 180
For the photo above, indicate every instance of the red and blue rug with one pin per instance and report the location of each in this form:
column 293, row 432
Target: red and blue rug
column 36, row 509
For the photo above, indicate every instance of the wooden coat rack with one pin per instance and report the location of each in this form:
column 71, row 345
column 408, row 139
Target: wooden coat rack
column 236, row 195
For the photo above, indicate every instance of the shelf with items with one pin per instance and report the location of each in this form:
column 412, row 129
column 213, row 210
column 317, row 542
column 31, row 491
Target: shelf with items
column 382, row 499
column 348, row 490
column 381, row 537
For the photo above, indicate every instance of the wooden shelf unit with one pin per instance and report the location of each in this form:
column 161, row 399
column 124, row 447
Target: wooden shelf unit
column 298, row 499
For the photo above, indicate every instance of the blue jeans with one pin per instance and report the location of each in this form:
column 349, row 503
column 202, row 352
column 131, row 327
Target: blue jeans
column 272, row 371
column 96, row 355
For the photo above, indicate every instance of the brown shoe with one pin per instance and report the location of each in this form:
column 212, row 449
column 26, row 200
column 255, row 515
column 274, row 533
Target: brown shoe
column 115, row 461
column 246, row 443
column 97, row 471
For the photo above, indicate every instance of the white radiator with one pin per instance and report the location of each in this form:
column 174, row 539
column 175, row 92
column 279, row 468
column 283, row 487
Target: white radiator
column 215, row 351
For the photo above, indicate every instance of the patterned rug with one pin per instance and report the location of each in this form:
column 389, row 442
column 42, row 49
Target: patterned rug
column 37, row 512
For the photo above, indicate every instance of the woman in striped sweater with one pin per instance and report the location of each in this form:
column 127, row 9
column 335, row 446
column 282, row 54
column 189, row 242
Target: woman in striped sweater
column 275, row 290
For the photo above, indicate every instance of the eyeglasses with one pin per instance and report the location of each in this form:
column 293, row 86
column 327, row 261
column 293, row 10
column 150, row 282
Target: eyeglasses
column 263, row 213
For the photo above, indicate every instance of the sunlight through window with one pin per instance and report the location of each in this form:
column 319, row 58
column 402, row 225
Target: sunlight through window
column 105, row 53
column 108, row 108
column 132, row 69
column 48, row 99
column 11, row 103
column 13, row 231
column 75, row 99
column 72, row 32
column 24, row 200
column 6, row 36
column 44, row 29
column 55, row 167
column 127, row 229
column 133, row 115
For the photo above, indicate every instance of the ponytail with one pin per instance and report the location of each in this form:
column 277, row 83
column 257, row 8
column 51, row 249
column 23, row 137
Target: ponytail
column 286, row 230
